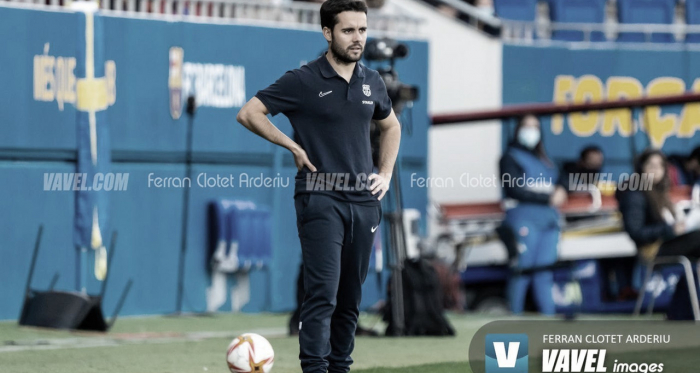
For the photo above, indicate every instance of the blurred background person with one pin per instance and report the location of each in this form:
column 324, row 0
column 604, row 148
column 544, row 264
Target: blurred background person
column 649, row 216
column 532, row 196
column 684, row 170
column 656, row 226
column 585, row 170
column 590, row 161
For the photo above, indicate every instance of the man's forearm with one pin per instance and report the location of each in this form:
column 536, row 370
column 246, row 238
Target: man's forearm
column 261, row 126
column 389, row 141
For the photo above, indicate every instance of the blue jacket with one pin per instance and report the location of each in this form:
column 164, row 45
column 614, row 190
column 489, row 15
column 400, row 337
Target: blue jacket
column 528, row 202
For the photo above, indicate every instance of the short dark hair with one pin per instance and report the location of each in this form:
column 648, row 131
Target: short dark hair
column 331, row 8
column 695, row 154
column 590, row 149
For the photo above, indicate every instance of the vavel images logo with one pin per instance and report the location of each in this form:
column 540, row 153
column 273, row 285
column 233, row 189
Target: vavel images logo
column 506, row 353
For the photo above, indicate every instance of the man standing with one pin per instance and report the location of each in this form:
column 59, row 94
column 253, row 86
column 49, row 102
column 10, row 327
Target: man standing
column 330, row 103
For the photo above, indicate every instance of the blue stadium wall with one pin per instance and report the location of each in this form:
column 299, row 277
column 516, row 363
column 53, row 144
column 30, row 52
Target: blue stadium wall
column 38, row 135
column 577, row 74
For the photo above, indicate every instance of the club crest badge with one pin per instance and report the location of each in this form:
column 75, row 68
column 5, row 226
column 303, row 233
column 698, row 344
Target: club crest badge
column 366, row 90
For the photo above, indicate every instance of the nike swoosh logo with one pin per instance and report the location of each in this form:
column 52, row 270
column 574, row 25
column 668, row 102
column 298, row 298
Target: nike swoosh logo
column 374, row 228
column 321, row 94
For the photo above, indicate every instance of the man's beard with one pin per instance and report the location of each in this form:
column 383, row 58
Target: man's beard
column 341, row 55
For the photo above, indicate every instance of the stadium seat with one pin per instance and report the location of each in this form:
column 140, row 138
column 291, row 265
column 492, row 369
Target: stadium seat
column 577, row 11
column 242, row 235
column 259, row 252
column 251, row 228
column 690, row 279
column 646, row 11
column 692, row 17
column 242, row 231
column 220, row 229
column 516, row 10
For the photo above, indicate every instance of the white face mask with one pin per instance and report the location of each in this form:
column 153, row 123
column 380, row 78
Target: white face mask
column 487, row 9
column 529, row 137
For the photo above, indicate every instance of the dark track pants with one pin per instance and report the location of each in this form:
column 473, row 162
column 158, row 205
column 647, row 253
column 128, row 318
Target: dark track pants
column 336, row 241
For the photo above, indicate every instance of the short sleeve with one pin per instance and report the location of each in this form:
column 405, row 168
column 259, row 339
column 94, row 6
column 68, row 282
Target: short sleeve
column 382, row 107
column 282, row 96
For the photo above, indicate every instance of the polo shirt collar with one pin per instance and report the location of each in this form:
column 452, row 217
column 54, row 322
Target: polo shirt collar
column 328, row 71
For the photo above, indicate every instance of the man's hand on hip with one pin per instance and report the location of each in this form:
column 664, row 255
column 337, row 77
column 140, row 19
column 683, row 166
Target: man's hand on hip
column 379, row 183
column 301, row 159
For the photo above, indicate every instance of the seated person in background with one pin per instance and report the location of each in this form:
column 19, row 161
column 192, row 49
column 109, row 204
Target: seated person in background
column 684, row 170
column 589, row 163
column 532, row 198
column 649, row 216
column 654, row 224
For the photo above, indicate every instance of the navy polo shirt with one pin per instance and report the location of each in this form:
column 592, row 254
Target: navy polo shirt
column 331, row 119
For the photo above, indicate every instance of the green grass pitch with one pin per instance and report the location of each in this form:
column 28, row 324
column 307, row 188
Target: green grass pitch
column 198, row 344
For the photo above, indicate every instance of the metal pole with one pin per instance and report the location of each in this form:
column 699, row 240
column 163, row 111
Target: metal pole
column 185, row 206
column 37, row 243
column 27, row 288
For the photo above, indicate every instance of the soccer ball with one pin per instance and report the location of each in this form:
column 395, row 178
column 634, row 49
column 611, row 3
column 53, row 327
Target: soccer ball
column 250, row 352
